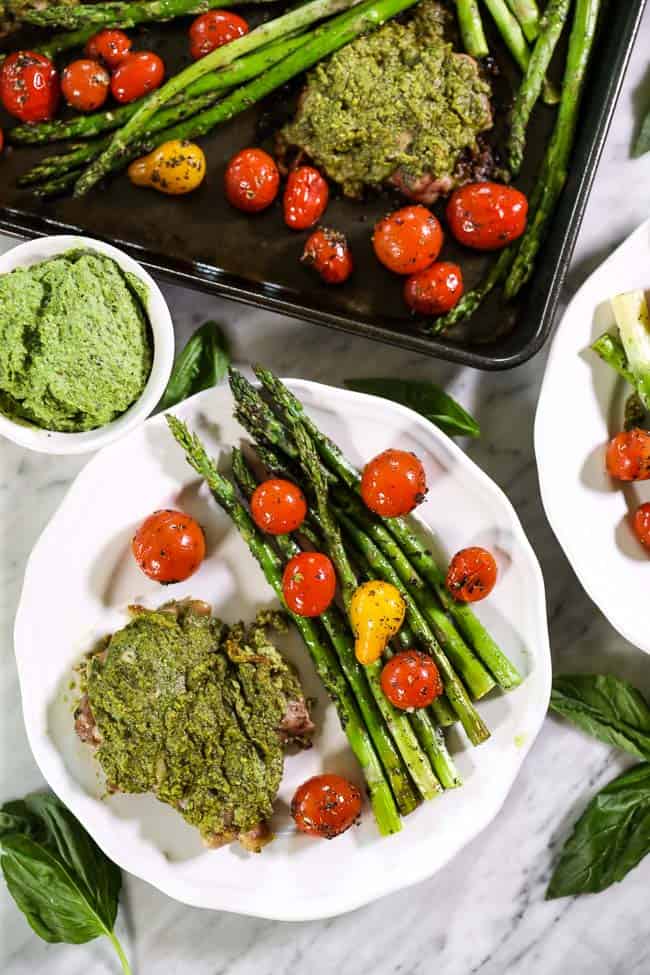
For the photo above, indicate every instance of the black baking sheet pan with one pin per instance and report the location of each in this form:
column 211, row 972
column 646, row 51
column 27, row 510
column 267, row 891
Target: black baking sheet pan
column 201, row 242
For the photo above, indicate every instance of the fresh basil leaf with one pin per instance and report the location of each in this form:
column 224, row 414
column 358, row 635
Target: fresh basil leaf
column 71, row 843
column 642, row 144
column 425, row 398
column 610, row 709
column 202, row 364
column 611, row 837
column 50, row 897
column 58, row 876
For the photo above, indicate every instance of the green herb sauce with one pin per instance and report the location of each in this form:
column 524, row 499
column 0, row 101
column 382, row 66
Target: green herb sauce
column 75, row 342
column 399, row 98
column 190, row 709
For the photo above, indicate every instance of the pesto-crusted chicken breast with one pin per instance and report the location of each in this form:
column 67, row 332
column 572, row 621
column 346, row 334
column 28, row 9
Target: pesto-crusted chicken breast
column 397, row 107
column 199, row 713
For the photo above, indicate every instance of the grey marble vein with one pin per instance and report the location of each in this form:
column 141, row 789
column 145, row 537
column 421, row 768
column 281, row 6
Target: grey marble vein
column 485, row 913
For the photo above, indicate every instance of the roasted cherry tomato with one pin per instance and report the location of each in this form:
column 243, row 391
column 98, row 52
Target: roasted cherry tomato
column 305, row 198
column 278, row 506
column 136, row 75
column 411, row 679
column 408, row 240
column 472, row 574
column 326, row 806
column 642, row 524
column 376, row 613
column 252, row 180
column 435, row 290
column 213, row 30
column 487, row 216
column 85, row 85
column 29, row 86
column 393, row 483
column 328, row 252
column 175, row 168
column 109, row 46
column 628, row 456
column 169, row 546
column 309, row 583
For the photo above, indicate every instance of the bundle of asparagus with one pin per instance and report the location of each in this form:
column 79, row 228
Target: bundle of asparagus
column 403, row 755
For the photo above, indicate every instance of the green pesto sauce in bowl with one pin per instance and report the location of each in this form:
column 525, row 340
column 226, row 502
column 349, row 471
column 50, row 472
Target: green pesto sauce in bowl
column 75, row 342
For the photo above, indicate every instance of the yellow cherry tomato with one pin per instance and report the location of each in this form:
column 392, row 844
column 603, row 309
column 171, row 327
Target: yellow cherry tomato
column 376, row 613
column 174, row 168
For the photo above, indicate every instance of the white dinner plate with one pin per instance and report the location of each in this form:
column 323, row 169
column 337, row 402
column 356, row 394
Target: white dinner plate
column 81, row 577
column 581, row 406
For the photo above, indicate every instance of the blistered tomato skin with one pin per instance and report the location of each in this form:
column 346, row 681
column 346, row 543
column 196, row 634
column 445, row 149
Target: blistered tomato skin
column 29, row 86
column 328, row 253
column 408, row 240
column 306, row 196
column 251, row 181
column 326, row 806
column 641, row 524
column 487, row 216
column 435, row 290
column 411, row 679
column 278, row 506
column 309, row 584
column 136, row 75
column 108, row 46
column 85, row 85
column 393, row 483
column 169, row 546
column 472, row 574
column 214, row 29
column 628, row 456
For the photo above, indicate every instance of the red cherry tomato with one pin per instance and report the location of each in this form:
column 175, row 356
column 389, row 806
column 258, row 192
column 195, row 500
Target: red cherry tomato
column 278, row 506
column 326, row 806
column 85, row 85
column 435, row 290
column 328, row 252
column 408, row 240
column 29, row 86
column 252, row 180
column 628, row 456
column 169, row 546
column 213, row 30
column 411, row 679
column 472, row 575
column 642, row 524
column 487, row 216
column 309, row 583
column 393, row 483
column 109, row 46
column 136, row 75
column 305, row 198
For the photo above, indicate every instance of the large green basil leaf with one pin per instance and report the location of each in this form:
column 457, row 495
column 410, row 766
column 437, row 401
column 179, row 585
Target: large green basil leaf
column 642, row 144
column 16, row 817
column 203, row 363
column 611, row 837
column 99, row 876
column 610, row 709
column 425, row 398
column 53, row 901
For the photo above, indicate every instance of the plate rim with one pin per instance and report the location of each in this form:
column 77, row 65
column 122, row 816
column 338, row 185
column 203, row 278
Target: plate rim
column 331, row 905
column 619, row 624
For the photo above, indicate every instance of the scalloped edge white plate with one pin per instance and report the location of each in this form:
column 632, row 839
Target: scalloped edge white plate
column 80, row 577
column 580, row 407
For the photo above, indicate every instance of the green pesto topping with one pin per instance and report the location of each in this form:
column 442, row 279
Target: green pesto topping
column 75, row 344
column 397, row 99
column 190, row 709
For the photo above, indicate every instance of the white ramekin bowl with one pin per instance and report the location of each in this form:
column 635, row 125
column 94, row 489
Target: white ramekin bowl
column 162, row 329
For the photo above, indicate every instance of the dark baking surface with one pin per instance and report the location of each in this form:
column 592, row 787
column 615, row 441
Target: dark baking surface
column 200, row 241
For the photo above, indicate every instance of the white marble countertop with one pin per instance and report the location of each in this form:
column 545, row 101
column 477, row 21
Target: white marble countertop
column 486, row 911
